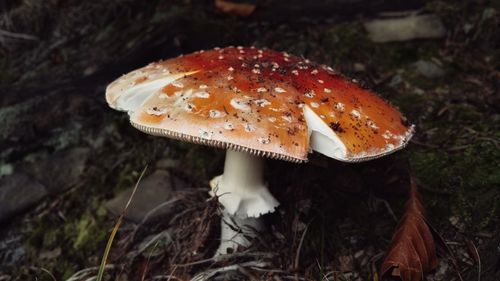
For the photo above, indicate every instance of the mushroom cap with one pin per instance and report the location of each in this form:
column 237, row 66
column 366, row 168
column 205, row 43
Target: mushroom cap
column 260, row 101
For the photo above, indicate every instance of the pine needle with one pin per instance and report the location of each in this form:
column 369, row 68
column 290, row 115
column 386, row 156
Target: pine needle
column 104, row 260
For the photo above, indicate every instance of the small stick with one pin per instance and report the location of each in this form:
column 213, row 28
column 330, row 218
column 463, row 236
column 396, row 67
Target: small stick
column 297, row 256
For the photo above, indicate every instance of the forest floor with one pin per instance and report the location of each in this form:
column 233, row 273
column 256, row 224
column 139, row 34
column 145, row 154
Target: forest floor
column 71, row 153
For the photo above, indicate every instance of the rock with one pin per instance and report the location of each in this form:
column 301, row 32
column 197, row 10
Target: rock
column 166, row 163
column 12, row 248
column 17, row 193
column 359, row 67
column 152, row 245
column 404, row 29
column 50, row 255
column 428, row 69
column 6, row 169
column 396, row 80
column 62, row 170
column 14, row 118
column 153, row 191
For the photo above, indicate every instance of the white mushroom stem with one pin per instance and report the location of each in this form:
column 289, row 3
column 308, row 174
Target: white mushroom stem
column 245, row 197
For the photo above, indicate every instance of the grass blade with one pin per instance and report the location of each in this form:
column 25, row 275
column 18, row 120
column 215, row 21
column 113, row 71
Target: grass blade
column 104, row 260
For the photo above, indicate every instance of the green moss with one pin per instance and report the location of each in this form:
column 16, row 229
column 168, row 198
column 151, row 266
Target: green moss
column 410, row 103
column 471, row 178
column 85, row 233
column 433, row 167
column 346, row 42
column 66, row 269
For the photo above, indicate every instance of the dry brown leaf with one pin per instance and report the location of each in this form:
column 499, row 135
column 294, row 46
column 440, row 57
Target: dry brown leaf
column 238, row 9
column 413, row 251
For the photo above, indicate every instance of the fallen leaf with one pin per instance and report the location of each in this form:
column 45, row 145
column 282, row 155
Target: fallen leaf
column 412, row 251
column 238, row 9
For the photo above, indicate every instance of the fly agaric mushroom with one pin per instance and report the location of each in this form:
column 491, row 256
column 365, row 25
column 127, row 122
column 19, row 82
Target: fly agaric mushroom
column 257, row 104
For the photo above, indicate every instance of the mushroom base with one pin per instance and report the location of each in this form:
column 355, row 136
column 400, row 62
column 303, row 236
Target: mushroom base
column 237, row 232
column 244, row 195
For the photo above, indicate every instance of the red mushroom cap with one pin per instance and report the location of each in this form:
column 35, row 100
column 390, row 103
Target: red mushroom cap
column 261, row 101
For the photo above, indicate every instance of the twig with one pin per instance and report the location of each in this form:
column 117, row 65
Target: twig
column 297, row 255
column 475, row 255
column 447, row 249
column 168, row 277
column 172, row 274
column 181, row 214
column 82, row 273
column 49, row 273
column 458, row 147
column 269, row 270
column 206, row 275
column 492, row 140
column 149, row 213
column 294, row 278
column 155, row 239
column 228, row 257
column 144, row 272
column 155, row 209
column 22, row 36
column 428, row 145
column 324, row 277
column 195, row 262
